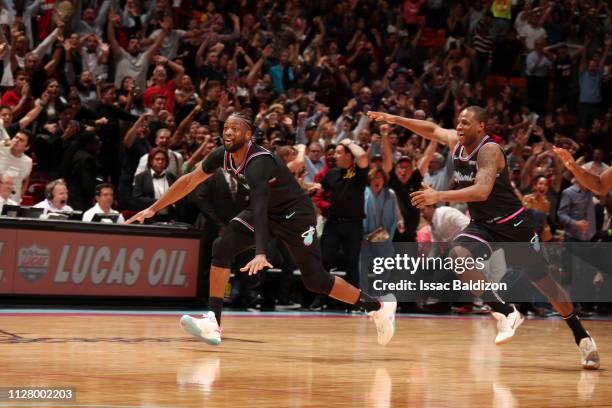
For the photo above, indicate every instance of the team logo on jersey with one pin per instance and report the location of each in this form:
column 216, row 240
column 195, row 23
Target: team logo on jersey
column 459, row 177
column 308, row 236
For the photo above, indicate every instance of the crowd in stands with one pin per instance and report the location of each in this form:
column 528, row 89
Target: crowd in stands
column 105, row 103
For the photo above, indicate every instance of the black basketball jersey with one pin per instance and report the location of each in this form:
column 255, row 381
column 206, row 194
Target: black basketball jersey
column 238, row 172
column 285, row 192
column 502, row 202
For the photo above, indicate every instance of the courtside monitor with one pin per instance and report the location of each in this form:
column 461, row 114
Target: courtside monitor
column 65, row 215
column 10, row 210
column 30, row 212
column 107, row 218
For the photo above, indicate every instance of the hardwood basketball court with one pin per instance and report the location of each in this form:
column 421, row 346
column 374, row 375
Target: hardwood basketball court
column 116, row 359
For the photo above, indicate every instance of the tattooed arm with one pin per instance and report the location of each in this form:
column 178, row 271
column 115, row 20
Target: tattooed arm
column 490, row 161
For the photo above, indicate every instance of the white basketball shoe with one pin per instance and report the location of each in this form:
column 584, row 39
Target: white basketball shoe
column 507, row 325
column 205, row 329
column 384, row 318
column 590, row 356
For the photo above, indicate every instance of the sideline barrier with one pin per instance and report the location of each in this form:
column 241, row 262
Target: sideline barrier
column 41, row 257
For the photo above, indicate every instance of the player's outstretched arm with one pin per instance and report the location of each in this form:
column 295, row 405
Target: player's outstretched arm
column 423, row 128
column 600, row 185
column 181, row 187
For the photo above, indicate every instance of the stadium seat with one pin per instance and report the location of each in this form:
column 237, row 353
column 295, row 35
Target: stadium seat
column 127, row 214
column 27, row 200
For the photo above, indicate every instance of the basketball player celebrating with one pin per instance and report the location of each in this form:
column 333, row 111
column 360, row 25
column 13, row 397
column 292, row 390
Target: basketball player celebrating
column 483, row 182
column 599, row 184
column 278, row 207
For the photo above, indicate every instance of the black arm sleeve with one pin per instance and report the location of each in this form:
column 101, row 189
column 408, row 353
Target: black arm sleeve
column 258, row 173
column 214, row 160
column 206, row 202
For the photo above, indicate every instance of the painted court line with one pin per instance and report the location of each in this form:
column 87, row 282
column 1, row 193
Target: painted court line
column 51, row 404
column 240, row 314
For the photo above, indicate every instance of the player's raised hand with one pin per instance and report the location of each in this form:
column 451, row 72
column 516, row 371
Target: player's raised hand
column 564, row 155
column 141, row 216
column 256, row 264
column 380, row 117
column 426, row 196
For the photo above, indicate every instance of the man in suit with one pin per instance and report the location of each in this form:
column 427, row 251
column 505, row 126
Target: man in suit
column 153, row 183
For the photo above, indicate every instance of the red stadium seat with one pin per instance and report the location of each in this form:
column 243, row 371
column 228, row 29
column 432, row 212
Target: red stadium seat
column 518, row 82
column 127, row 214
column 27, row 200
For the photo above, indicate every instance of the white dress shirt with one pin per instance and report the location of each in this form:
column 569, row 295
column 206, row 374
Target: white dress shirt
column 160, row 185
column 18, row 167
column 49, row 207
column 96, row 209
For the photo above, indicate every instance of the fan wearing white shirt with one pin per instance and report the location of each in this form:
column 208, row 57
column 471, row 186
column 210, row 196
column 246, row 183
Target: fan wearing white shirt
column 14, row 161
column 445, row 222
column 105, row 195
column 6, row 189
column 56, row 197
